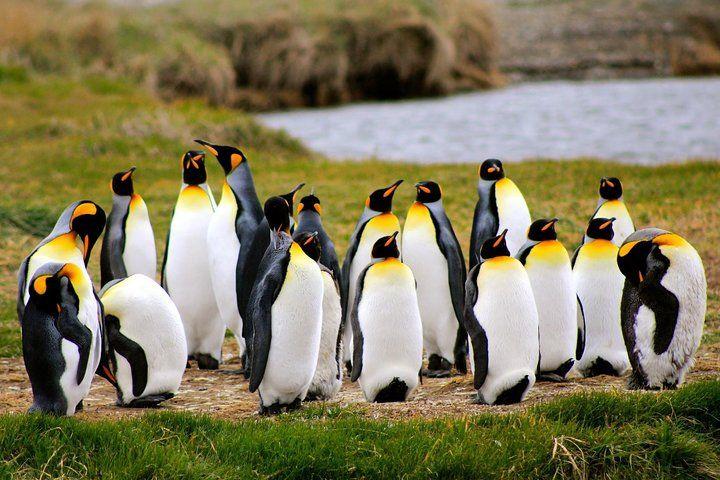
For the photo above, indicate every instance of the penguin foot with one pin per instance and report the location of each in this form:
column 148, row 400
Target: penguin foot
column 478, row 399
column 295, row 405
column 207, row 362
column 148, row 401
column 436, row 373
column 274, row 409
column 348, row 367
column 79, row 407
column 438, row 367
column 550, row 377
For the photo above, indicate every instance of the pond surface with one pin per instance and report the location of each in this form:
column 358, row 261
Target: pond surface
column 646, row 122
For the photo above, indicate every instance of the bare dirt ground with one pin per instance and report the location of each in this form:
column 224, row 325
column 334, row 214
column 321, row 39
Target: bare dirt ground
column 224, row 393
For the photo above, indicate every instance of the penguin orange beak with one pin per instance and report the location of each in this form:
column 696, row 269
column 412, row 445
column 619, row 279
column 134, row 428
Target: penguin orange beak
column 86, row 247
column 640, row 276
column 208, row 145
column 608, row 182
column 500, row 238
column 128, row 174
column 296, row 189
column 422, row 187
column 391, row 189
column 607, row 224
column 391, row 239
column 311, row 238
column 549, row 224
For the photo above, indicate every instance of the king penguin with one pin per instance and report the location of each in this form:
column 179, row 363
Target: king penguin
column 502, row 321
column 611, row 205
column 599, row 286
column 663, row 306
column 71, row 241
column 128, row 246
column 500, row 206
column 286, row 310
column 328, row 373
column 186, row 267
column 387, row 329
column 376, row 221
column 61, row 337
column 146, row 341
column 433, row 253
column 548, row 266
column 309, row 215
column 230, row 232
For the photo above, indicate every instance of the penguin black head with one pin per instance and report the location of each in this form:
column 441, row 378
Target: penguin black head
column 51, row 286
column 641, row 252
column 542, row 229
column 228, row 157
column 290, row 196
column 610, row 188
column 601, row 229
column 122, row 183
column 310, row 202
column 492, row 169
column 87, row 221
column 277, row 212
column 381, row 200
column 193, row 164
column 428, row 192
column 386, row 247
column 310, row 244
column 495, row 247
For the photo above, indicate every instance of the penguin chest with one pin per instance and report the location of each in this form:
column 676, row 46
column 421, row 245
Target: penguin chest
column 223, row 248
column 623, row 225
column 513, row 213
column 63, row 249
column 139, row 254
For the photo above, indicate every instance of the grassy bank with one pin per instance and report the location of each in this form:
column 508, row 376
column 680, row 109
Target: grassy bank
column 260, row 54
column 673, row 435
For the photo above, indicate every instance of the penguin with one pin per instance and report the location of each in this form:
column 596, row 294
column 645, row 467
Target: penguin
column 599, row 285
column 71, row 241
column 328, row 373
column 433, row 253
column 376, row 221
column 502, row 321
column 128, row 246
column 186, row 267
column 547, row 264
column 663, row 306
column 611, row 205
column 309, row 219
column 500, row 205
column 286, row 311
column 387, row 329
column 230, row 233
column 146, row 341
column 61, row 337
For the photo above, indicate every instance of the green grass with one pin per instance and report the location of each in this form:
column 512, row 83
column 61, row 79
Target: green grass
column 673, row 435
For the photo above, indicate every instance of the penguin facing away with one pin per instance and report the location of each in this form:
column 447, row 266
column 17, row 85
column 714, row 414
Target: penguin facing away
column 387, row 330
column 309, row 214
column 663, row 306
column 327, row 379
column 61, row 337
column 599, row 285
column 146, row 341
column 502, row 322
column 286, row 310
column 71, row 241
column 433, row 253
column 548, row 266
column 186, row 267
column 376, row 221
column 500, row 205
column 611, row 205
column 128, row 246
column 230, row 233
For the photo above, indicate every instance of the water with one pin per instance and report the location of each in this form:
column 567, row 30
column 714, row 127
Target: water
column 645, row 122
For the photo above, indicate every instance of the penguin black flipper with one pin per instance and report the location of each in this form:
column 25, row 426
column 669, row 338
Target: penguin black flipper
column 163, row 279
column 486, row 222
column 72, row 330
column 250, row 271
column 111, row 262
column 477, row 334
column 629, row 306
column 22, row 281
column 663, row 303
column 131, row 351
column 358, row 339
column 271, row 277
column 580, row 346
column 347, row 264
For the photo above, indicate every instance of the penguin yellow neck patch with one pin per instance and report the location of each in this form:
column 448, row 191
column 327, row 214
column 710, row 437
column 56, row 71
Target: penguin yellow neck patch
column 500, row 263
column 548, row 252
column 64, row 248
column 193, row 197
column 599, row 249
column 418, row 217
column 385, row 222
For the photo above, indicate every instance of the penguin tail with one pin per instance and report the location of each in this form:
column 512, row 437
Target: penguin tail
column 511, row 388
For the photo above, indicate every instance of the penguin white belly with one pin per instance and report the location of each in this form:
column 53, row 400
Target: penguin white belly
column 685, row 278
column 139, row 254
column 548, row 267
column 390, row 322
column 296, row 330
column 144, row 310
column 223, row 249
column 325, row 383
column 64, row 249
column 506, row 310
column 622, row 226
column 513, row 213
column 422, row 254
column 599, row 286
column 187, row 274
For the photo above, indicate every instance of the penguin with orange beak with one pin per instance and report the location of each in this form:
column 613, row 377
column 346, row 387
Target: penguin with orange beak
column 71, row 241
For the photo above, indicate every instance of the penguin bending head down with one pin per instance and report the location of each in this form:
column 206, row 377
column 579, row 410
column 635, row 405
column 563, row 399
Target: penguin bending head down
column 129, row 243
column 663, row 306
column 387, row 330
column 502, row 321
